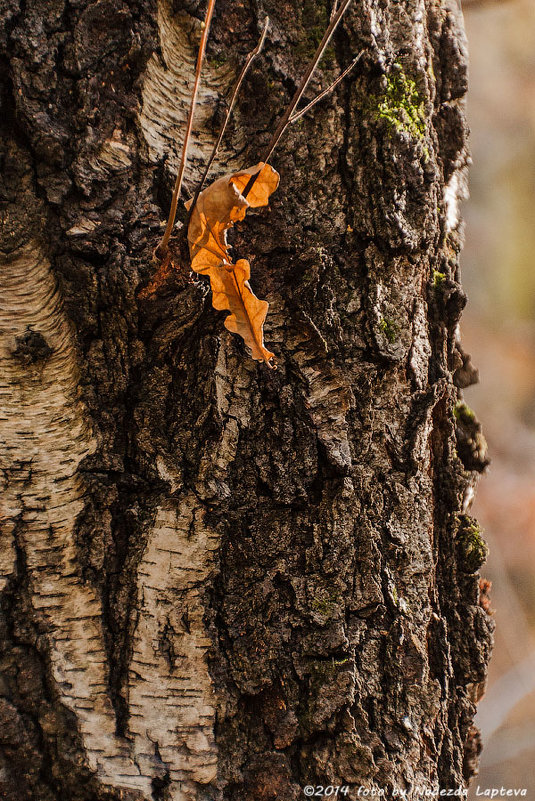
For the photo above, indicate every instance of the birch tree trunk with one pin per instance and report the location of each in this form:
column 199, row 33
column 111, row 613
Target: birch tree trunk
column 220, row 581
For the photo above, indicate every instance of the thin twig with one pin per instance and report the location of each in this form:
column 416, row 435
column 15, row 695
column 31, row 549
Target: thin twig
column 334, row 84
column 248, row 61
column 161, row 250
column 283, row 124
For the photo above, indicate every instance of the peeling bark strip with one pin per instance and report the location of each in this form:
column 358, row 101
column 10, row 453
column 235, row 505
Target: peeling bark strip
column 171, row 700
column 220, row 583
column 167, row 95
column 45, row 437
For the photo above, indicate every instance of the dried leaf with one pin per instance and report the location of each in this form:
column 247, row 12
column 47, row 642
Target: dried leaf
column 218, row 207
column 231, row 290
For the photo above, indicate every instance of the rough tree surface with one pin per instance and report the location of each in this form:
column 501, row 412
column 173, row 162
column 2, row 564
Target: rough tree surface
column 220, row 581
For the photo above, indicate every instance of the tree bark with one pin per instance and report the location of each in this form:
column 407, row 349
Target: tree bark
column 221, row 581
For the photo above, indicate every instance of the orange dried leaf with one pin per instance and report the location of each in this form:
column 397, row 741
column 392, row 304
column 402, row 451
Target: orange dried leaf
column 231, row 290
column 263, row 187
column 218, row 207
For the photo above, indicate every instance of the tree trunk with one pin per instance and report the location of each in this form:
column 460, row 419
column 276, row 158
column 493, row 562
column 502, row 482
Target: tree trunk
column 221, row 581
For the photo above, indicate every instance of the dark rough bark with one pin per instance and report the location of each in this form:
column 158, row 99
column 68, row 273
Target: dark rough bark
column 327, row 566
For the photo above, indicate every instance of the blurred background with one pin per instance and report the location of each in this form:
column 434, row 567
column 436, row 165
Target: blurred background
column 498, row 330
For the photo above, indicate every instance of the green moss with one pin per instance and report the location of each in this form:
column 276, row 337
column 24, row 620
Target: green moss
column 316, row 21
column 326, row 605
column 217, row 61
column 323, row 670
column 401, row 106
column 438, row 278
column 341, row 661
column 464, row 413
column 389, row 329
column 323, row 606
column 473, row 550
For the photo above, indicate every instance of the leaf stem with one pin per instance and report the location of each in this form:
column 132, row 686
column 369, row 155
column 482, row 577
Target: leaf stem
column 333, row 10
column 161, row 250
column 249, row 60
column 328, row 90
column 285, row 120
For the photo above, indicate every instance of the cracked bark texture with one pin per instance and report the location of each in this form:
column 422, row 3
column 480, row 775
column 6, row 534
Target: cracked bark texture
column 221, row 582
